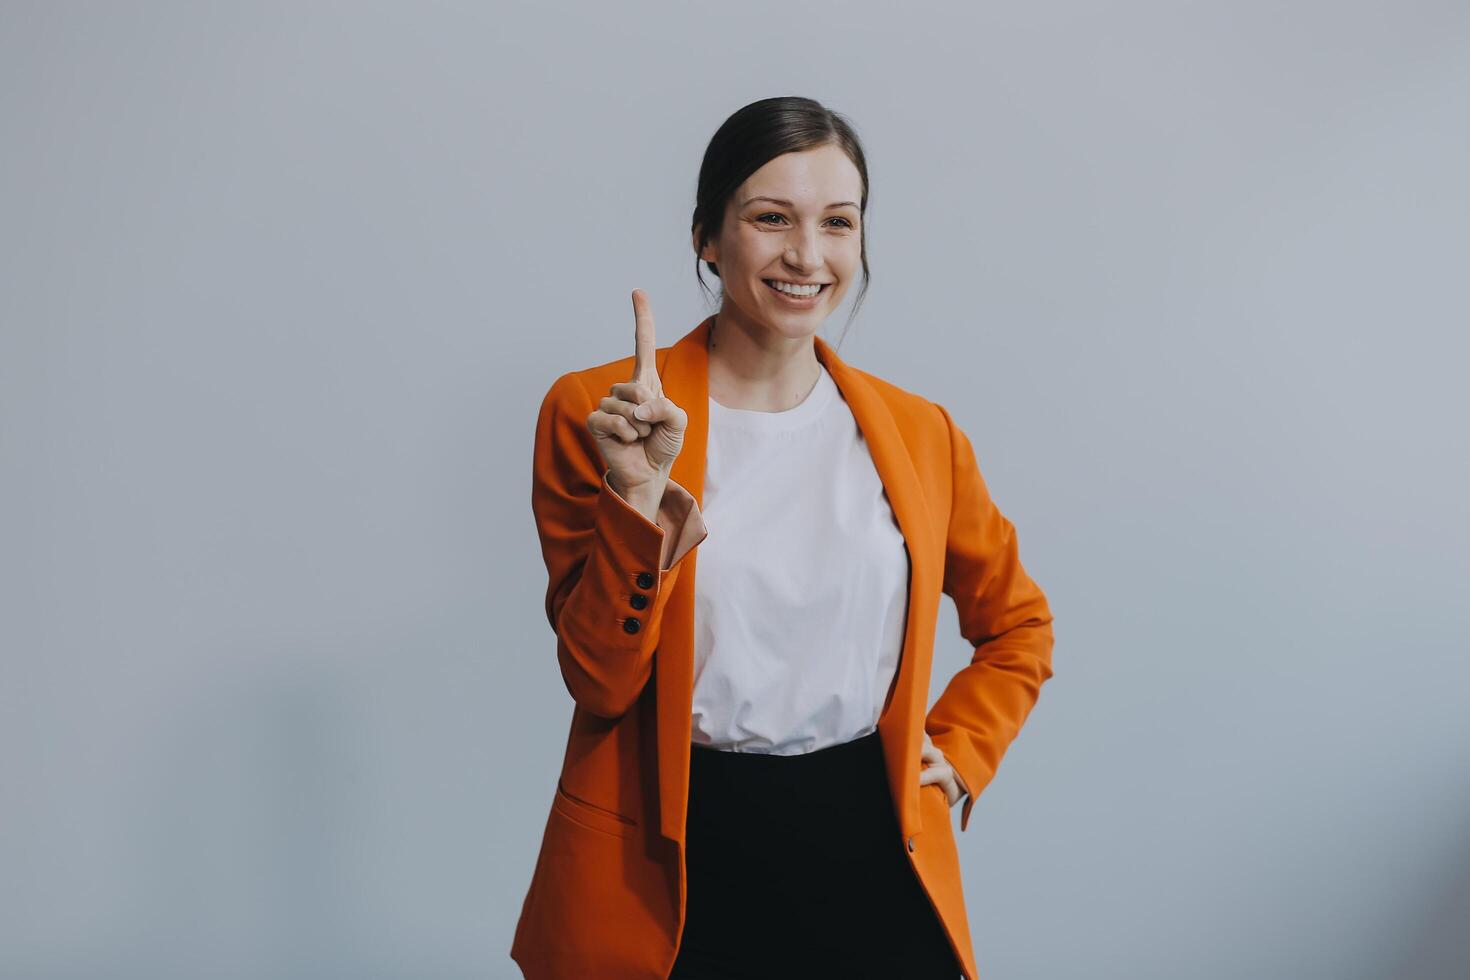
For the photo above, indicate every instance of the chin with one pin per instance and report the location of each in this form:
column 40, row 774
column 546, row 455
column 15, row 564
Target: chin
column 801, row 326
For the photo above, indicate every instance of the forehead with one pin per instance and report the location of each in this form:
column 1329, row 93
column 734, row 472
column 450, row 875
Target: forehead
column 809, row 179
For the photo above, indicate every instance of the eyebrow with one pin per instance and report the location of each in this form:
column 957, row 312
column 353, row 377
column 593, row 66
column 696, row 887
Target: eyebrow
column 777, row 200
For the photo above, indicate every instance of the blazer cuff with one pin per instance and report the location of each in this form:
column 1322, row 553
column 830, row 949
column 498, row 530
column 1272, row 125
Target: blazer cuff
column 962, row 756
column 684, row 527
column 677, row 526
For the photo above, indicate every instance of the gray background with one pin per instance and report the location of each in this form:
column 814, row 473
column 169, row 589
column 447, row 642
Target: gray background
column 282, row 287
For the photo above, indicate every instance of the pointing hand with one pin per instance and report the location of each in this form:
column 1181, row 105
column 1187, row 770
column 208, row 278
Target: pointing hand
column 639, row 431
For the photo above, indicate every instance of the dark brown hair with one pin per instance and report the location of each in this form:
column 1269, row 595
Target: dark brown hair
column 753, row 136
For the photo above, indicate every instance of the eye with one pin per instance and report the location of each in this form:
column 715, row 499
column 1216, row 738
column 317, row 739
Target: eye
column 773, row 214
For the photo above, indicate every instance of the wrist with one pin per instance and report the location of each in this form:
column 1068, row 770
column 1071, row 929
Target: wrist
column 643, row 497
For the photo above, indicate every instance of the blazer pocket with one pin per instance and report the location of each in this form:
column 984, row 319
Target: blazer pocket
column 591, row 815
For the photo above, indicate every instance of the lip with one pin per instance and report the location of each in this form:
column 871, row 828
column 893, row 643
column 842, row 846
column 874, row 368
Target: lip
column 795, row 303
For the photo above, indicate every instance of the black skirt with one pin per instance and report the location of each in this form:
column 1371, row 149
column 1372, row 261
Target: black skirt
column 797, row 868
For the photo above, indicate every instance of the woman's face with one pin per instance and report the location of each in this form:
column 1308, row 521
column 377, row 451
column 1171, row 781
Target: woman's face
column 795, row 220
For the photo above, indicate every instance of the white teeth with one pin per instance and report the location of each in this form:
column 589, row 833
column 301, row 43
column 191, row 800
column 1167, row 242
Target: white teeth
column 794, row 290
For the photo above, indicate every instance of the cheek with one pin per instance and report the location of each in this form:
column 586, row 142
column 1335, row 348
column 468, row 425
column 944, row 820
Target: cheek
column 754, row 250
column 846, row 259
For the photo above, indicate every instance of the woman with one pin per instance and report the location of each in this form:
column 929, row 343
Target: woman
column 752, row 787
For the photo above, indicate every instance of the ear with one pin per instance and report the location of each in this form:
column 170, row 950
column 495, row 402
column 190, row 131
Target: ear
column 710, row 252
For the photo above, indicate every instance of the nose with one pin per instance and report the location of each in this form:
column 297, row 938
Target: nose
column 803, row 251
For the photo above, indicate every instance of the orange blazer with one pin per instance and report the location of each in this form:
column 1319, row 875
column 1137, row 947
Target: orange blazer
column 607, row 896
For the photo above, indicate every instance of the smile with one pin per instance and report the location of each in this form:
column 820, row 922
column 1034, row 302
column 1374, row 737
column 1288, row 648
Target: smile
column 795, row 291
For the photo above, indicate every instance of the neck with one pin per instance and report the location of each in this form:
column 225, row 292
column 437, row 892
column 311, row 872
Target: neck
column 755, row 368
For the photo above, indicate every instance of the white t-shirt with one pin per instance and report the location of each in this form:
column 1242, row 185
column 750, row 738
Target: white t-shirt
column 801, row 596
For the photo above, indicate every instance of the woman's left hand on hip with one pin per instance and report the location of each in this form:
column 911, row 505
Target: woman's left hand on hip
column 938, row 770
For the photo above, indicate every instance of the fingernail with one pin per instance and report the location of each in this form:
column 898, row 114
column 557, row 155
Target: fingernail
column 641, row 412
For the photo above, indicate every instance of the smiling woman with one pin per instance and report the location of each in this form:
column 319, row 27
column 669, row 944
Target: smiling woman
column 747, row 540
column 778, row 217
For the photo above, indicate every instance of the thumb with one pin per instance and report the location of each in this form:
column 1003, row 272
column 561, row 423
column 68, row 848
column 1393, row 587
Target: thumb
column 661, row 409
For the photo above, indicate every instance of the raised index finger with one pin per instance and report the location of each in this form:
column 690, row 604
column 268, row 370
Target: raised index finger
column 644, row 369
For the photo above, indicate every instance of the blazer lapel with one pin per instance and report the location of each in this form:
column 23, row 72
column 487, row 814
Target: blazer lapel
column 684, row 372
column 902, row 737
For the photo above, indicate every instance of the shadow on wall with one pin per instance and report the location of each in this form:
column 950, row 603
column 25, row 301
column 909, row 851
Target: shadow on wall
column 1440, row 948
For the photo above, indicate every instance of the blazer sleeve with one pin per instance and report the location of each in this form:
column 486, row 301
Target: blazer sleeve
column 601, row 556
column 1003, row 614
